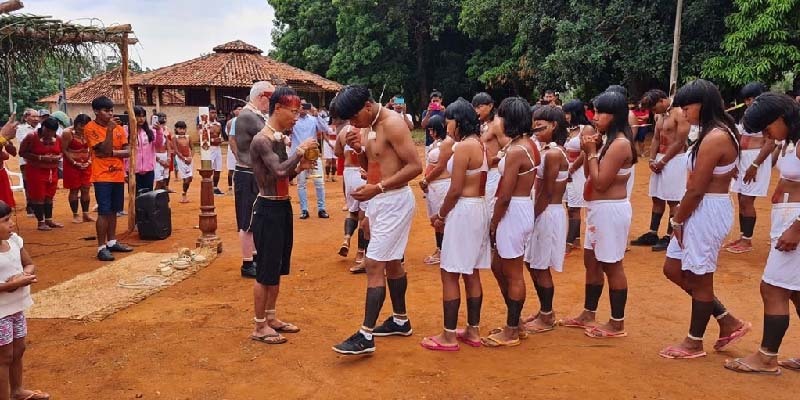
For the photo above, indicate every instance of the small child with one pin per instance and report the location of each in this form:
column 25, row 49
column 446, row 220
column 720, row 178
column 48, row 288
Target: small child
column 183, row 157
column 16, row 276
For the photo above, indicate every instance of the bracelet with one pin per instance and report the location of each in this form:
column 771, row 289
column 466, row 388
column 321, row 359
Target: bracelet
column 593, row 156
column 754, row 164
column 380, row 186
column 675, row 224
column 438, row 215
column 424, row 181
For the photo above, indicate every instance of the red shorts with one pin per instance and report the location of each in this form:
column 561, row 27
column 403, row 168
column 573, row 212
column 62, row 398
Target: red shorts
column 41, row 183
column 5, row 189
column 340, row 166
column 75, row 178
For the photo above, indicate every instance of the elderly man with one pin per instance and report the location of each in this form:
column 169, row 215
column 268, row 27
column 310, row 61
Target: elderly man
column 309, row 126
column 30, row 121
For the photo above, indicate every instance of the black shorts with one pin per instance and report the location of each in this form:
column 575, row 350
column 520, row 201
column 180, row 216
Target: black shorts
column 245, row 191
column 272, row 235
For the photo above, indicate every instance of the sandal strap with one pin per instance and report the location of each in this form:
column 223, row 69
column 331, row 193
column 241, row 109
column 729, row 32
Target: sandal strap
column 259, row 320
column 767, row 353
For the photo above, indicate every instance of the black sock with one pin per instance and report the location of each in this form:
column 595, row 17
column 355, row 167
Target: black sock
column 574, row 230
column 349, row 226
column 474, row 310
column 85, row 206
column 397, row 292
column 701, row 312
column 514, row 310
column 439, row 239
column 38, row 211
column 73, row 205
column 451, row 313
column 719, row 308
column 247, row 264
column 48, row 210
column 362, row 243
column 375, row 297
column 748, row 226
column 592, row 296
column 775, row 327
column 545, row 295
column 618, row 297
column 655, row 221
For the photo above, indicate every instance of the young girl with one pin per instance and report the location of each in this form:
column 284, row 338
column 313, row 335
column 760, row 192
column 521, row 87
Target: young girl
column 17, row 273
column 77, row 168
column 578, row 125
column 436, row 181
column 146, row 150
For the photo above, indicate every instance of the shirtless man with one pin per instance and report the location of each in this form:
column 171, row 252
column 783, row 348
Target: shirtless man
column 214, row 129
column 249, row 122
column 667, row 163
column 272, row 212
column 352, row 181
column 391, row 161
column 163, row 151
column 183, row 157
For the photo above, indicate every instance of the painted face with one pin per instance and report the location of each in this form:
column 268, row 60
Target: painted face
column 543, row 130
column 6, row 227
column 287, row 114
column 180, row 131
column 602, row 121
column 777, row 130
column 549, row 97
column 692, row 113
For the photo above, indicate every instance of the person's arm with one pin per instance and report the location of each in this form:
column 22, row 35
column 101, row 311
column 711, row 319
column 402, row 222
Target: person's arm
column 445, row 152
column 409, row 120
column 9, row 129
column 25, row 149
column 106, row 147
column 552, row 165
column 752, row 170
column 287, row 169
column 338, row 149
column 66, row 137
column 708, row 156
column 426, row 116
column 506, row 188
column 656, row 142
column 603, row 173
column 399, row 138
column 10, row 148
column 457, row 180
column 159, row 136
column 27, row 262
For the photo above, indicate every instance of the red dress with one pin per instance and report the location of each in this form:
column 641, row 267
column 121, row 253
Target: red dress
column 6, row 195
column 41, row 179
column 74, row 177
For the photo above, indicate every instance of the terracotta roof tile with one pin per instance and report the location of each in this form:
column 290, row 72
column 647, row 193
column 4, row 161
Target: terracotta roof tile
column 106, row 84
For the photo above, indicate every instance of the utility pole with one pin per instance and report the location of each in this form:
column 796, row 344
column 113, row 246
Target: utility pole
column 676, row 44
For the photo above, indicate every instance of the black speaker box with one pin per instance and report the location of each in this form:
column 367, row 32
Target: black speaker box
column 153, row 216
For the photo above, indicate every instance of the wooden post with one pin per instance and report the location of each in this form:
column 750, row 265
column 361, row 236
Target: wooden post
column 158, row 98
column 676, row 44
column 212, row 94
column 133, row 135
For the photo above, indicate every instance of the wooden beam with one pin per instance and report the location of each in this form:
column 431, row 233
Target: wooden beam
column 133, row 135
column 9, row 6
column 158, row 98
column 213, row 94
column 676, row 45
column 57, row 38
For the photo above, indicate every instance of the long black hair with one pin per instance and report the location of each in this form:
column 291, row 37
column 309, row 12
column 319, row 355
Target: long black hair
column 553, row 114
column 139, row 111
column 770, row 106
column 577, row 113
column 516, row 115
column 437, row 125
column 614, row 103
column 5, row 209
column 712, row 110
column 81, row 119
column 465, row 116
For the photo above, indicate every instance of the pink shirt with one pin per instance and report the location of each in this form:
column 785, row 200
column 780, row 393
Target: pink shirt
column 146, row 150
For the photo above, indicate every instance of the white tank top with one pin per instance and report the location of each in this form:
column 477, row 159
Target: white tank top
column 789, row 166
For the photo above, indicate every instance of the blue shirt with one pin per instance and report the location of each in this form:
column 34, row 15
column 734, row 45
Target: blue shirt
column 306, row 128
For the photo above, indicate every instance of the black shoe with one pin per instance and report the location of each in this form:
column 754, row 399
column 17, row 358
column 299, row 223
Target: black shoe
column 390, row 328
column 304, row 214
column 662, row 244
column 647, row 239
column 105, row 255
column 218, row 192
column 120, row 248
column 355, row 345
column 323, row 214
column 249, row 271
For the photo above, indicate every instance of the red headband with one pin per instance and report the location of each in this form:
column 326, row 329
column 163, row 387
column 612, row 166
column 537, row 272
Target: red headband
column 289, row 100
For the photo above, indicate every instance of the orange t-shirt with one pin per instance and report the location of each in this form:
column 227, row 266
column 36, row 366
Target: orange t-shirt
column 107, row 169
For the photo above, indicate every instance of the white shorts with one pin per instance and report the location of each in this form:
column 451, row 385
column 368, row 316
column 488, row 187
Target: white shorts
column 608, row 223
column 437, row 190
column 159, row 171
column 492, row 181
column 327, row 151
column 216, row 158
column 466, row 247
column 783, row 267
column 184, row 170
column 758, row 187
column 231, row 160
column 670, row 184
column 515, row 229
column 574, row 192
column 390, row 216
column 353, row 181
column 549, row 240
column 703, row 234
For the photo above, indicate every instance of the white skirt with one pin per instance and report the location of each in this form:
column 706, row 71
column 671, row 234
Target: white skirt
column 327, row 150
column 390, row 216
column 758, row 187
column 515, row 229
column 159, row 171
column 703, row 234
column 783, row 267
column 670, row 184
column 184, row 170
column 608, row 223
column 466, row 247
column 492, row 182
column 216, row 158
column 353, row 181
column 548, row 243
column 574, row 192
column 437, row 190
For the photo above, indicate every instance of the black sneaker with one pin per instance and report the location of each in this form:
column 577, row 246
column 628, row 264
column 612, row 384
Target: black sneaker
column 304, row 214
column 647, row 239
column 355, row 345
column 662, row 244
column 218, row 192
column 249, row 270
column 391, row 328
column 323, row 214
column 105, row 255
column 120, row 248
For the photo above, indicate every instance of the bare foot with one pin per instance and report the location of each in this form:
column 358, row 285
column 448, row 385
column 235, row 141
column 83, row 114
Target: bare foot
column 756, row 362
column 184, row 199
column 585, row 319
column 76, row 219
column 43, row 227
column 24, row 394
column 686, row 349
column 541, row 323
column 611, row 329
column 88, row 218
column 53, row 224
column 445, row 338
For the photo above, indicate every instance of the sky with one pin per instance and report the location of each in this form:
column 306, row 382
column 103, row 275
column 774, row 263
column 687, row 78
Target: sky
column 170, row 31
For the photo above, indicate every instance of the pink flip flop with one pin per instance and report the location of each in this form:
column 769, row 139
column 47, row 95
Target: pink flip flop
column 573, row 323
column 737, row 335
column 461, row 338
column 682, row 354
column 436, row 346
column 600, row 333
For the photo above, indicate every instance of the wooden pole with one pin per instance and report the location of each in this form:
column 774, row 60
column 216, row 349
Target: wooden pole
column 9, row 6
column 133, row 135
column 676, row 44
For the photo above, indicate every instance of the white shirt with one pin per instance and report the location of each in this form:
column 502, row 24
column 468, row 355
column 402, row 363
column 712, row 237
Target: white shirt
column 23, row 130
column 10, row 265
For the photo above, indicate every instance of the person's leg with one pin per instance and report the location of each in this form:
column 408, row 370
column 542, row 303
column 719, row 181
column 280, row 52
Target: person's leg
column 302, row 194
column 451, row 301
column 618, row 296
column 515, row 281
column 261, row 294
column 186, row 183
column 350, row 225
column 15, row 370
column 28, row 207
column 702, row 290
column 38, row 211
column 230, row 179
column 319, row 185
column 6, row 360
column 216, row 179
column 398, row 323
column 545, row 319
column 650, row 238
column 499, row 276
column 574, row 227
column 48, row 213
column 72, row 197
column 592, row 291
column 747, row 223
column 85, row 200
column 474, row 291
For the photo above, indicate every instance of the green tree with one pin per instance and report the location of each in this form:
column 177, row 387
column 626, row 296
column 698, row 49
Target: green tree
column 763, row 42
column 29, row 83
column 304, row 33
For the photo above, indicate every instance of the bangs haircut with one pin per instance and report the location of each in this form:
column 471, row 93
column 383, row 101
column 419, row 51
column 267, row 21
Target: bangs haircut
column 516, row 114
column 465, row 116
column 753, row 90
column 556, row 115
column 5, row 209
column 284, row 96
column 437, row 124
column 712, row 109
column 618, row 89
column 767, row 108
column 577, row 112
column 351, row 100
column 102, row 103
column 481, row 99
column 139, row 111
column 180, row 125
column 49, row 123
column 614, row 103
column 81, row 119
column 652, row 97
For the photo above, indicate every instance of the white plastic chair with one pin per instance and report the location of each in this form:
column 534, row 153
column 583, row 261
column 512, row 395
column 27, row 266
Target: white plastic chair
column 16, row 188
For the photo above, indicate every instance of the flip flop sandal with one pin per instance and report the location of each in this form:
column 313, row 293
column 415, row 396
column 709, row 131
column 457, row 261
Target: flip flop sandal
column 534, row 331
column 272, row 338
column 682, row 354
column 792, row 364
column 358, row 269
column 36, row 395
column 286, row 328
column 573, row 323
column 491, row 341
column 727, row 341
column 738, row 365
column 463, row 339
column 344, row 250
column 600, row 333
column 739, row 249
column 436, row 346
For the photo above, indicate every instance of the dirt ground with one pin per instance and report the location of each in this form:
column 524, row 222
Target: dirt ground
column 190, row 341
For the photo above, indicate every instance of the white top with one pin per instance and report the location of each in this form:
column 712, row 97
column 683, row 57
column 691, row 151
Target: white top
column 22, row 131
column 10, row 265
